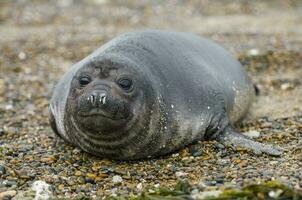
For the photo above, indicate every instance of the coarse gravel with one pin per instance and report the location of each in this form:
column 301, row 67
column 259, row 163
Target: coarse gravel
column 40, row 40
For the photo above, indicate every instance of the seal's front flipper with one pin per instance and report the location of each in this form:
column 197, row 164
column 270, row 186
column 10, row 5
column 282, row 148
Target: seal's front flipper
column 231, row 137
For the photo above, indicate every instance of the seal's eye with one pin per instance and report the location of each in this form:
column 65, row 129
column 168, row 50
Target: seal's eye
column 84, row 80
column 125, row 84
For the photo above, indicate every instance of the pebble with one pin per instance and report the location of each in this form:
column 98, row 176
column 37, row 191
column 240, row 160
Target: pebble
column 91, row 175
column 253, row 52
column 286, row 86
column 117, row 179
column 49, row 159
column 275, row 194
column 1, row 132
column 206, row 194
column 42, row 190
column 219, row 146
column 180, row 174
column 9, row 107
column 2, row 170
column 220, row 181
column 22, row 55
column 201, row 185
column 8, row 194
column 139, row 186
column 252, row 134
column 78, row 173
column 89, row 180
column 195, row 150
column 9, row 183
column 175, row 155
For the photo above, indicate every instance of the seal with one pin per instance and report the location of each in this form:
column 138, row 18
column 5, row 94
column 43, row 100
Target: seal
column 149, row 93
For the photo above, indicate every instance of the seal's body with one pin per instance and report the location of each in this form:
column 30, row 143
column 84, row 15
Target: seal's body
column 152, row 92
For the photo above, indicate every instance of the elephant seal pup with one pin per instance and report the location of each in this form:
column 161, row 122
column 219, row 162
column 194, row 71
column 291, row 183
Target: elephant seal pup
column 148, row 93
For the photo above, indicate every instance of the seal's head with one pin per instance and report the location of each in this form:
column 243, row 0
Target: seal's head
column 109, row 107
column 104, row 97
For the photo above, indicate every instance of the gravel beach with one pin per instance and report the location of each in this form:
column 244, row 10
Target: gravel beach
column 40, row 40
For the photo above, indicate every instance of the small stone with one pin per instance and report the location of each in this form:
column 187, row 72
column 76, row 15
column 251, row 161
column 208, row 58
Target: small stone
column 212, row 183
column 70, row 182
column 275, row 194
column 61, row 187
column 219, row 146
column 9, row 183
column 23, row 174
column 201, row 185
column 206, row 194
column 50, row 159
column 9, row 107
column 2, row 170
column 42, row 190
column 90, row 175
column 113, row 192
column 194, row 191
column 220, row 181
column 8, row 194
column 98, row 178
column 78, row 173
column 195, row 150
column 180, row 174
column 25, row 195
column 252, row 134
column 89, row 180
column 1, row 132
column 22, row 55
column 175, row 155
column 253, row 52
column 286, row 86
column 151, row 191
column 139, row 186
column 117, row 179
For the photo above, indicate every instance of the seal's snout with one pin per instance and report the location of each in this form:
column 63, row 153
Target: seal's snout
column 97, row 99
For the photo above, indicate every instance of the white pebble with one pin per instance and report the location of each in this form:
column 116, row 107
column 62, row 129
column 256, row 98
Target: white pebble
column 113, row 192
column 285, row 86
column 42, row 190
column 206, row 194
column 117, row 179
column 275, row 194
column 9, row 107
column 175, row 155
column 22, row 55
column 180, row 174
column 253, row 52
column 252, row 134
column 139, row 186
column 151, row 191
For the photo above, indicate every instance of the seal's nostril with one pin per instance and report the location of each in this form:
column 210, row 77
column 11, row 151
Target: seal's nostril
column 92, row 99
column 103, row 98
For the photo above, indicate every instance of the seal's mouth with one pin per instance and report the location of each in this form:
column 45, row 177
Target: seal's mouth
column 101, row 113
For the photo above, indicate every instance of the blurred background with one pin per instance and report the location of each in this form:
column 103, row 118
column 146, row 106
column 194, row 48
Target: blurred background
column 40, row 40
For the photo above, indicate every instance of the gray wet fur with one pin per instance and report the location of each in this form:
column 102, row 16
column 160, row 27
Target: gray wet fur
column 189, row 89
